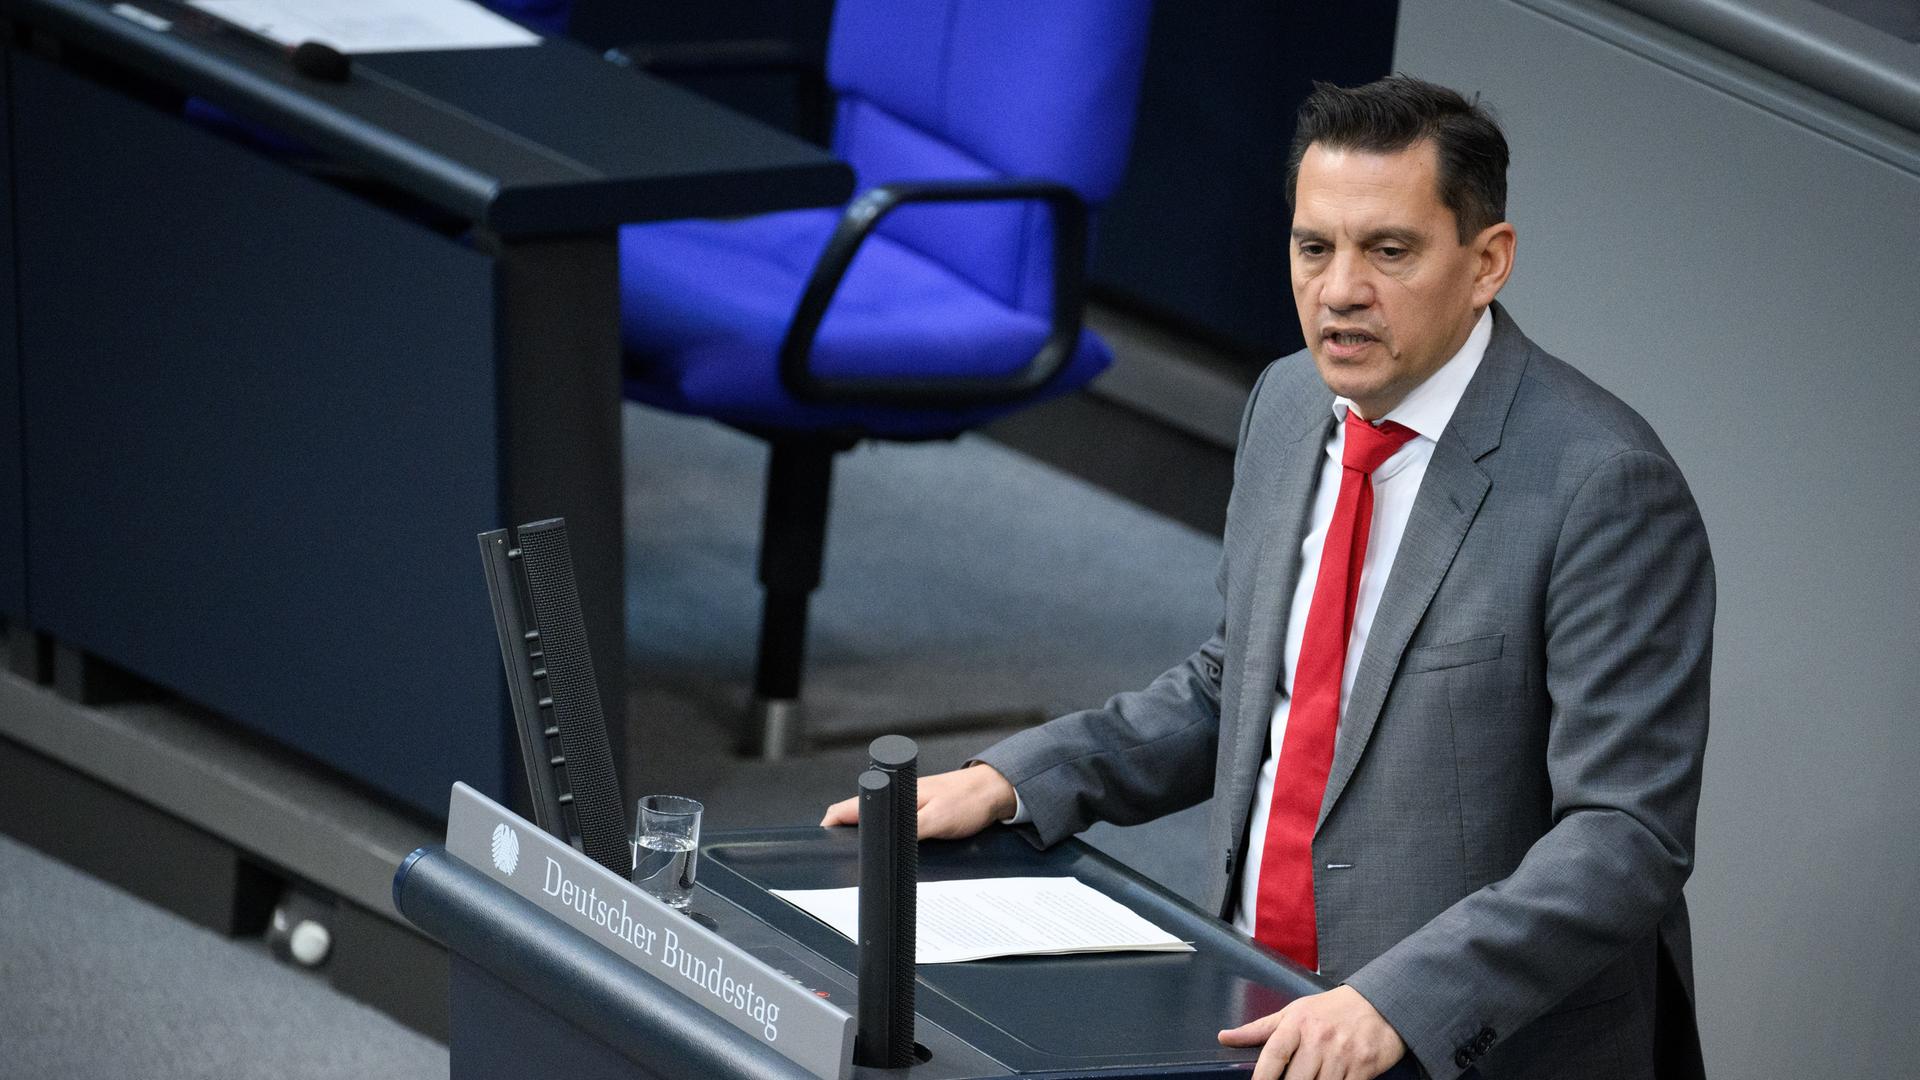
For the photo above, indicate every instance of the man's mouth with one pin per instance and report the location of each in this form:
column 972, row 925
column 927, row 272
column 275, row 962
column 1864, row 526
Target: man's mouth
column 1346, row 343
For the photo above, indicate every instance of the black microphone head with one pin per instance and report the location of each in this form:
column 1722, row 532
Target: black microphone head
column 892, row 752
column 317, row 60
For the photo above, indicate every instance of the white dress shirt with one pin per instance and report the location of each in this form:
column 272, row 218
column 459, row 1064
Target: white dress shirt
column 1426, row 410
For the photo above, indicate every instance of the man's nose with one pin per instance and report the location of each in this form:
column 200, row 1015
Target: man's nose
column 1346, row 285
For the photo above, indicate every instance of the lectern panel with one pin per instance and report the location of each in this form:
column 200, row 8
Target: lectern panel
column 1037, row 1014
column 260, row 429
column 1109, row 1015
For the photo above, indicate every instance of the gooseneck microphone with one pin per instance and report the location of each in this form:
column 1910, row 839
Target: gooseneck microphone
column 889, row 874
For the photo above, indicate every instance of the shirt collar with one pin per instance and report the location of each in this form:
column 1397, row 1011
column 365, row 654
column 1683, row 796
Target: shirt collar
column 1427, row 407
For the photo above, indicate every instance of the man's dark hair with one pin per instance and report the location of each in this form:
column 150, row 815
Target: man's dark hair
column 1397, row 112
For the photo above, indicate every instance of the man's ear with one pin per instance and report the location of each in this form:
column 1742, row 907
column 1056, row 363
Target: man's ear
column 1493, row 254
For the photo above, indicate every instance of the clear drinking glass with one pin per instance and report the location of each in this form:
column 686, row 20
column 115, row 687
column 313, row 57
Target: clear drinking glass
column 667, row 848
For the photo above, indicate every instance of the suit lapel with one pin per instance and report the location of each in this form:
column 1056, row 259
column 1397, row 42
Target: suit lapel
column 1450, row 496
column 1294, row 473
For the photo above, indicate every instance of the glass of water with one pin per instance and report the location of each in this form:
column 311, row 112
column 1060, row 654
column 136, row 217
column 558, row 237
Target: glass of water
column 667, row 847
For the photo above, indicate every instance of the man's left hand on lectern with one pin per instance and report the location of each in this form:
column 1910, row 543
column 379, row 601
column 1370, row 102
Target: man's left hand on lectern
column 953, row 805
column 1337, row 1035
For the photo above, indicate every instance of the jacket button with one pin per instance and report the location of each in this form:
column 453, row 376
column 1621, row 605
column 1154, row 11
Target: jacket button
column 1462, row 1058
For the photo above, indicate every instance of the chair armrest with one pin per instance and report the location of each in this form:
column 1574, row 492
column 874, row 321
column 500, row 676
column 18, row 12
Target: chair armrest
column 860, row 219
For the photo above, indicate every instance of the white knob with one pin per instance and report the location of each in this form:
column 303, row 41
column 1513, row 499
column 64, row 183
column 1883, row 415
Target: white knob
column 309, row 943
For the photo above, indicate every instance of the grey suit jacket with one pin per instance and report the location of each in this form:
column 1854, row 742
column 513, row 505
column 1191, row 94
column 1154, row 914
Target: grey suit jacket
column 1510, row 813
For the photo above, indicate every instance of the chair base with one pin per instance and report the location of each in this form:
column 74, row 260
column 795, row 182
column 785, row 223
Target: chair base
column 775, row 729
column 792, row 545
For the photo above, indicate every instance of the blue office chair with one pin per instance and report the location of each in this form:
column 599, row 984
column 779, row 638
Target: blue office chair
column 946, row 295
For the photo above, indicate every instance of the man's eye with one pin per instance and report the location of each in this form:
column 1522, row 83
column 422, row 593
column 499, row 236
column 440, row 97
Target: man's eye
column 1391, row 252
column 1313, row 251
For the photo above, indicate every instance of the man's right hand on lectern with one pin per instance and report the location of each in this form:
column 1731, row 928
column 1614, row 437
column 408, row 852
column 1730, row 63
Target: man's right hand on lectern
column 953, row 805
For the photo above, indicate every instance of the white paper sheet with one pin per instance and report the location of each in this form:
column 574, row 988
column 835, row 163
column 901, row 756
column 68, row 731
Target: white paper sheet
column 366, row 26
column 983, row 917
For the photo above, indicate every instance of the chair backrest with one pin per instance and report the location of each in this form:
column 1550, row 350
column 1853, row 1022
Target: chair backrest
column 978, row 89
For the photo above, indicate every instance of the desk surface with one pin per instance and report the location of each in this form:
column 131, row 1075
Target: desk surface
column 543, row 140
column 1035, row 1014
column 531, row 992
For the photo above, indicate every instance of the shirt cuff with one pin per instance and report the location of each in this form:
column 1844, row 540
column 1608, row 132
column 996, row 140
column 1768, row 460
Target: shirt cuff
column 1020, row 815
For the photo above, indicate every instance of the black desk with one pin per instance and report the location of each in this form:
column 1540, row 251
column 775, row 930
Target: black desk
column 532, row 996
column 262, row 411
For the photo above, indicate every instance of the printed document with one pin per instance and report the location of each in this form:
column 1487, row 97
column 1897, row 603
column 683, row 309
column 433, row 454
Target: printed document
column 367, row 26
column 1015, row 916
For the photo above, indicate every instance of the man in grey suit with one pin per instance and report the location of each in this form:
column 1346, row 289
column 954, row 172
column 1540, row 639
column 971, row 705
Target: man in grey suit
column 1453, row 718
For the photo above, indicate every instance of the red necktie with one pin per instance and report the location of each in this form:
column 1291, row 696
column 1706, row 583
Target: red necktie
column 1283, row 916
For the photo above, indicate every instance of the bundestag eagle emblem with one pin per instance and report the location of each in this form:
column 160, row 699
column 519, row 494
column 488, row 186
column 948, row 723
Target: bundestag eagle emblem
column 506, row 848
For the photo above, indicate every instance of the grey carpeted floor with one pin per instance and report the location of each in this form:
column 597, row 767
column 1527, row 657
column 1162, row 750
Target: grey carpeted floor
column 961, row 578
column 96, row 984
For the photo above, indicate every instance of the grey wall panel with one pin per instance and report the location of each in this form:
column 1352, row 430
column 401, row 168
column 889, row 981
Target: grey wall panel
column 1852, row 50
column 13, row 541
column 261, row 434
column 1736, row 259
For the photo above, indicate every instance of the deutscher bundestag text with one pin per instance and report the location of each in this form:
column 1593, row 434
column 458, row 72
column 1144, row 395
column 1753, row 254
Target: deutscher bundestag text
column 663, row 947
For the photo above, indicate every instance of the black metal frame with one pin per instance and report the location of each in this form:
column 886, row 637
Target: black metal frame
column 859, row 220
column 557, row 709
column 519, row 652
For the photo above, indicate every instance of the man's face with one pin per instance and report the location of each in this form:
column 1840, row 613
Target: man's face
column 1386, row 291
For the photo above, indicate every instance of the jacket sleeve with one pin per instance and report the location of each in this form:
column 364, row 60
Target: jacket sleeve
column 1143, row 754
column 1628, row 643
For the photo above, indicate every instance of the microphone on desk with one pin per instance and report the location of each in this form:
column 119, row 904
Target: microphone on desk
column 889, row 876
column 314, row 59
column 318, row 60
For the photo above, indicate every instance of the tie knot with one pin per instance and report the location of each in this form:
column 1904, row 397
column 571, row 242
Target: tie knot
column 1368, row 447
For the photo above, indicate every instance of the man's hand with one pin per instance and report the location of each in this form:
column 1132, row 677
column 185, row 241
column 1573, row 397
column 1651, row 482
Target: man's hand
column 1332, row 1036
column 953, row 805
